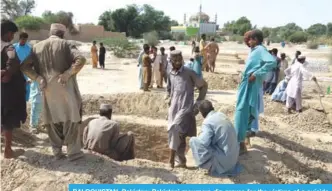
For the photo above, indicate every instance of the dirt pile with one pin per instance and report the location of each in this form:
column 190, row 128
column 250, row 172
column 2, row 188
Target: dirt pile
column 140, row 104
column 221, row 81
column 309, row 120
column 272, row 108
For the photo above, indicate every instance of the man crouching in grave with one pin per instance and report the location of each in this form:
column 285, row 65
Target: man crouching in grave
column 102, row 135
column 182, row 110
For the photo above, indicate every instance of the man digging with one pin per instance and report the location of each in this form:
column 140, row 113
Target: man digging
column 181, row 115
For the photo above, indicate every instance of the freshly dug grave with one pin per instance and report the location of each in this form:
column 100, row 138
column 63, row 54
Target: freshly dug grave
column 150, row 141
column 141, row 104
column 221, row 81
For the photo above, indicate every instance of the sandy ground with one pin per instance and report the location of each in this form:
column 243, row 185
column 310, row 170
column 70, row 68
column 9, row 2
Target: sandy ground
column 294, row 148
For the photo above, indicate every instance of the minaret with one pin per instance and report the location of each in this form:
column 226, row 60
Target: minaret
column 200, row 12
column 215, row 19
column 184, row 19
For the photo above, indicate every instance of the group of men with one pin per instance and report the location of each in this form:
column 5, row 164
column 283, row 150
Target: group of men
column 209, row 51
column 289, row 89
column 94, row 55
column 53, row 64
column 152, row 67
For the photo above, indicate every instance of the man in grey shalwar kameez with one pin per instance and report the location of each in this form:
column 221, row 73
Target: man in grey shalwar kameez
column 102, row 135
column 58, row 62
column 181, row 115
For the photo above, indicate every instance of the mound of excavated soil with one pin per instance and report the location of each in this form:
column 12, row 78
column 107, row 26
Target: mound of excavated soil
column 228, row 110
column 309, row 120
column 221, row 81
column 140, row 104
column 272, row 108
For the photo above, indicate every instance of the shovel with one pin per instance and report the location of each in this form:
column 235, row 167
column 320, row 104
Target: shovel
column 320, row 89
column 320, row 96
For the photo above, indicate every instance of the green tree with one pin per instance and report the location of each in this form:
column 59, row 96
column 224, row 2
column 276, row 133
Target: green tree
column 286, row 31
column 135, row 20
column 29, row 22
column 298, row 37
column 65, row 18
column 317, row 30
column 13, row 9
column 105, row 19
column 238, row 27
column 329, row 29
column 174, row 23
column 266, row 31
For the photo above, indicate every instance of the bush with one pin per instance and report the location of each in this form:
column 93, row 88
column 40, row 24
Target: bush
column 121, row 47
column 312, row 45
column 179, row 36
column 275, row 39
column 151, row 38
column 29, row 22
column 298, row 37
column 236, row 38
column 165, row 35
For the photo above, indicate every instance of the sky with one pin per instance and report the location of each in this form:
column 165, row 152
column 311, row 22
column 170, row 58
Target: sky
column 261, row 12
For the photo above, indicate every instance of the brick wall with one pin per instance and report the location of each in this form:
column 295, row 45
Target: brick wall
column 87, row 33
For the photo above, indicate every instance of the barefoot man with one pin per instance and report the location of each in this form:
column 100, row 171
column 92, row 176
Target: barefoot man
column 212, row 51
column 13, row 105
column 202, row 45
column 258, row 64
column 58, row 62
column 181, row 115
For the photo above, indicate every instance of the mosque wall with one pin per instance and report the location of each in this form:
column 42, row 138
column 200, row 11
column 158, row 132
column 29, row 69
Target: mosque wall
column 87, row 33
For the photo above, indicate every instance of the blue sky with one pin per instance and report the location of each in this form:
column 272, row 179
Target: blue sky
column 260, row 12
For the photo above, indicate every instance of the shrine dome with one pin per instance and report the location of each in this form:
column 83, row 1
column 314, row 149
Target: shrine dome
column 195, row 18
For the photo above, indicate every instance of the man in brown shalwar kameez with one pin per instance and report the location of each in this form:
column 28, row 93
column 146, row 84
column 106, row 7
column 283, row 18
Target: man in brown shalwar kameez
column 181, row 115
column 58, row 62
column 147, row 68
column 102, row 135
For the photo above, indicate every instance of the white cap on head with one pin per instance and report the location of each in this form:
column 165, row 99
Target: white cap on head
column 58, row 26
column 105, row 106
column 301, row 57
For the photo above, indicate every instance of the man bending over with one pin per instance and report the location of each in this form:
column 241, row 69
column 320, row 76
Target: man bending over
column 102, row 135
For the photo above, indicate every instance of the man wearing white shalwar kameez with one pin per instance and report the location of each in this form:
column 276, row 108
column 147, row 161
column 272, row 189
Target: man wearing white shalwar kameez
column 181, row 115
column 297, row 73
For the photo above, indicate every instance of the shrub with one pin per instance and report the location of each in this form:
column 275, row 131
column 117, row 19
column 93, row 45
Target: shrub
column 236, row 38
column 275, row 39
column 298, row 37
column 29, row 22
column 178, row 36
column 151, row 38
column 312, row 45
column 165, row 35
column 121, row 47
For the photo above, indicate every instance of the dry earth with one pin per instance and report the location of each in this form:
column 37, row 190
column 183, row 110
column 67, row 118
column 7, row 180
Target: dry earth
column 294, row 148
